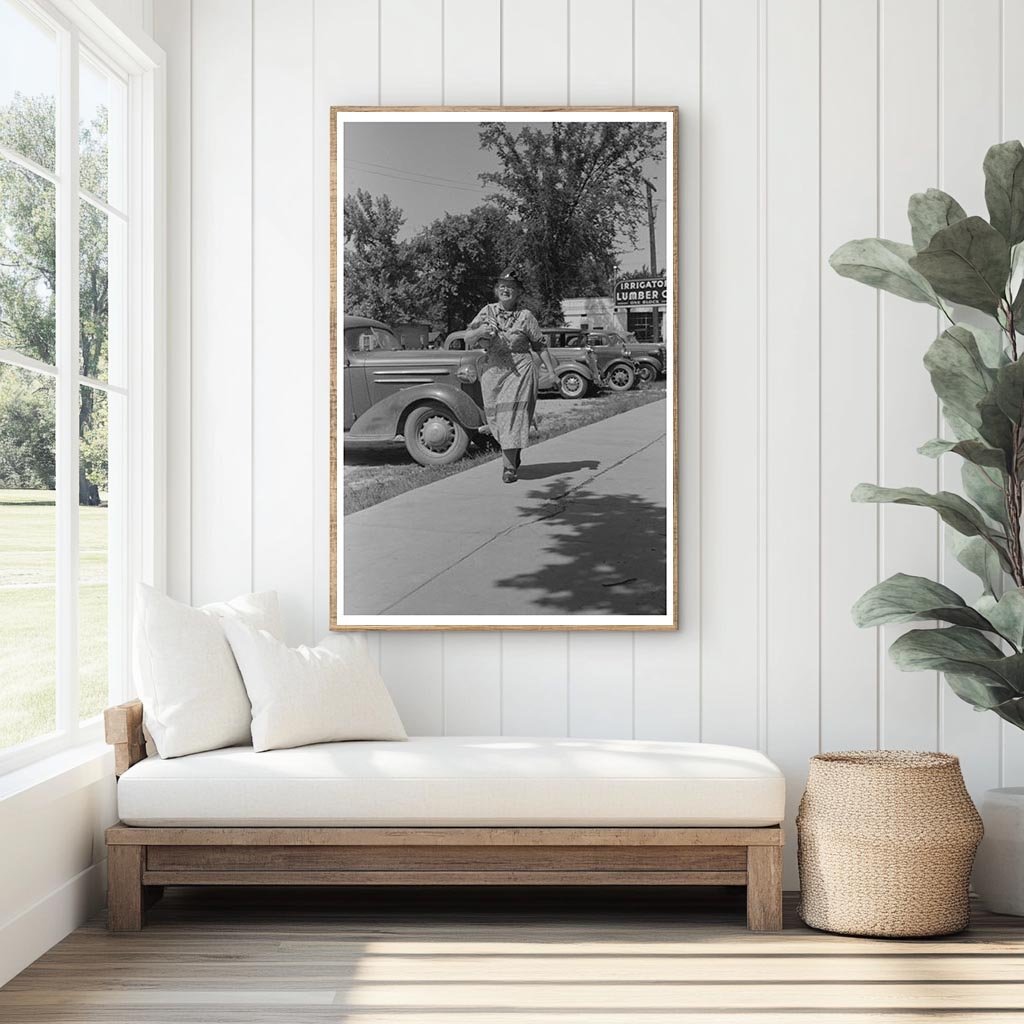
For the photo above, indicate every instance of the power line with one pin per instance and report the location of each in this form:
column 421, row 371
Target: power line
column 420, row 181
column 420, row 174
column 412, row 176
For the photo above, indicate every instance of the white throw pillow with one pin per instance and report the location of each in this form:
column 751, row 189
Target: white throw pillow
column 309, row 694
column 192, row 693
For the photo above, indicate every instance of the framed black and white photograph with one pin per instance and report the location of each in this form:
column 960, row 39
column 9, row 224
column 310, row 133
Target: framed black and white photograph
column 504, row 351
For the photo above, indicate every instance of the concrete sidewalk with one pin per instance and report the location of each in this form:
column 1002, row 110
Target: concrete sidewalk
column 582, row 532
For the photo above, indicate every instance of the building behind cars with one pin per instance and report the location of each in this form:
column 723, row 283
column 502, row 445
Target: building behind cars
column 638, row 306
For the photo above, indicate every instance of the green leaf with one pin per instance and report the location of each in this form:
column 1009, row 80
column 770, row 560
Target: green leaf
column 1006, row 614
column 982, row 693
column 990, row 345
column 932, row 211
column 952, row 509
column 984, row 486
column 963, row 652
column 1009, row 390
column 976, row 555
column 903, row 598
column 962, row 430
column 996, row 428
column 958, row 372
column 883, row 264
column 971, row 450
column 967, row 263
column 1004, row 189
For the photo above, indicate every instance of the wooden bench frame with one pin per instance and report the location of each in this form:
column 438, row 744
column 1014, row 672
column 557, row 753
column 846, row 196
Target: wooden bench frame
column 142, row 860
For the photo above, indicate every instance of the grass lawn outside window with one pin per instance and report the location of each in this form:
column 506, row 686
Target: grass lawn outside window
column 28, row 600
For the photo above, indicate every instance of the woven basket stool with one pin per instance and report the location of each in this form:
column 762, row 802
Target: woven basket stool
column 886, row 840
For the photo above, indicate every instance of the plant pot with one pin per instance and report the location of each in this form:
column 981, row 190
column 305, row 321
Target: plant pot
column 886, row 839
column 999, row 868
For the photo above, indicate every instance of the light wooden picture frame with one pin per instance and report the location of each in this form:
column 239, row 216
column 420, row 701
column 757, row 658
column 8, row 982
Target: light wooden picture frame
column 571, row 369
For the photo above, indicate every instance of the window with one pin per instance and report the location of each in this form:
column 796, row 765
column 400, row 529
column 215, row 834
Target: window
column 371, row 339
column 73, row 400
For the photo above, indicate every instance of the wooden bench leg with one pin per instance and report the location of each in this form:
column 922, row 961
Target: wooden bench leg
column 125, row 896
column 764, row 888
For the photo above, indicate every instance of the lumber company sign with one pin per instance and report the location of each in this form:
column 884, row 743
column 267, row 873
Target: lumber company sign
column 645, row 291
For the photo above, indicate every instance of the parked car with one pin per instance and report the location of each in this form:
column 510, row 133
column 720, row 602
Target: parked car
column 428, row 399
column 576, row 369
column 650, row 358
column 616, row 370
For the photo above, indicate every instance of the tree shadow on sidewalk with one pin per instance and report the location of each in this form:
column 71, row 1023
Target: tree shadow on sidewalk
column 602, row 554
column 542, row 470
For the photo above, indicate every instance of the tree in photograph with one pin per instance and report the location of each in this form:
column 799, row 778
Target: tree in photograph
column 642, row 274
column 574, row 191
column 28, row 260
column 458, row 258
column 379, row 273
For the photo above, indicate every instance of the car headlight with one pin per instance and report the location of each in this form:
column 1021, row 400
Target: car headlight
column 467, row 373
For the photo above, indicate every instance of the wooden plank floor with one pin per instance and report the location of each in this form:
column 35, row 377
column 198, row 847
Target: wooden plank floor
column 219, row 956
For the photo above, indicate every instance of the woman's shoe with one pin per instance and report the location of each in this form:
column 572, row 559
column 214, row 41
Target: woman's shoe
column 508, row 476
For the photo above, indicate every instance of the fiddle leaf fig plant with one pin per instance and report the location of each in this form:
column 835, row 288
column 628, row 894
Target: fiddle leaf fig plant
column 978, row 374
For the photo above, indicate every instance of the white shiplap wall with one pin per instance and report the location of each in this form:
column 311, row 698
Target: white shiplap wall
column 804, row 123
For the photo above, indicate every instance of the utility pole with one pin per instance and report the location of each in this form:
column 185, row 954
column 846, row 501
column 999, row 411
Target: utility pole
column 655, row 326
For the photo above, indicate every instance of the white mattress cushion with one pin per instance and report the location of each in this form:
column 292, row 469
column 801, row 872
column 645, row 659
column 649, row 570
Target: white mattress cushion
column 458, row 780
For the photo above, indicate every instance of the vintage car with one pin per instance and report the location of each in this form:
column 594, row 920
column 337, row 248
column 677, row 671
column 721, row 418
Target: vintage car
column 649, row 356
column 576, row 369
column 430, row 399
column 616, row 370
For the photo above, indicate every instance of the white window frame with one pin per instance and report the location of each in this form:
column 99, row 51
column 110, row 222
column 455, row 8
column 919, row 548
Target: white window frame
column 140, row 63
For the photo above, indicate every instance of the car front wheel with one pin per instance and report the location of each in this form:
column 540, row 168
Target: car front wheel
column 647, row 373
column 434, row 437
column 573, row 385
column 621, row 377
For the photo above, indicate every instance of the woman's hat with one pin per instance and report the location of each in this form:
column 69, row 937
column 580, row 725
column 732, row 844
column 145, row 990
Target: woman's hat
column 511, row 275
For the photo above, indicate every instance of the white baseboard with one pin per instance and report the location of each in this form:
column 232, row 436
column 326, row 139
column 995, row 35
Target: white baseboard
column 26, row 937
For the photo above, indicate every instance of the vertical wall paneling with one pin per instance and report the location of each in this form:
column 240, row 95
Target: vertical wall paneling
column 284, row 338
column 411, row 68
column 472, row 684
column 534, row 51
column 471, row 68
column 800, row 130
column 730, row 272
column 413, row 670
column 666, row 48
column 593, row 78
column 173, row 29
column 534, row 694
column 792, row 416
column 1011, row 112
column 909, row 413
column 221, row 368
column 601, row 685
column 351, row 81
column 968, row 125
column 472, row 52
column 849, row 372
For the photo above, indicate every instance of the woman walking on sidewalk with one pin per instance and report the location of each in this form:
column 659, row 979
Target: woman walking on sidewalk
column 510, row 335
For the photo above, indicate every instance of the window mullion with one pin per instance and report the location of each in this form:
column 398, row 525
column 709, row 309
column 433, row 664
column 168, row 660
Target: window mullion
column 67, row 386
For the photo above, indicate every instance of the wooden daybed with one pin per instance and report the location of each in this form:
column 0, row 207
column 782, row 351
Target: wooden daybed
column 143, row 858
